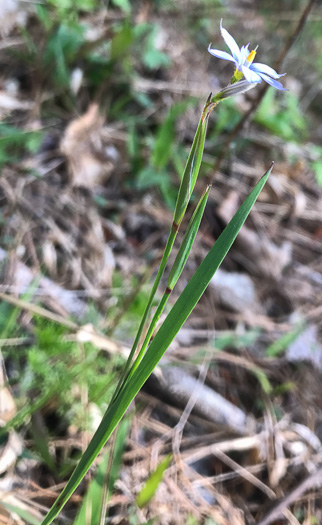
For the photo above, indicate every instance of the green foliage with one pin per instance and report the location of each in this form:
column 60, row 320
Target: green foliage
column 280, row 345
column 316, row 164
column 54, row 366
column 317, row 168
column 121, row 41
column 61, row 50
column 148, row 491
column 146, row 44
column 165, row 136
column 14, row 142
column 282, row 116
column 227, row 116
column 210, row 521
column 63, row 8
column 125, row 5
column 8, row 320
column 236, row 340
column 163, row 148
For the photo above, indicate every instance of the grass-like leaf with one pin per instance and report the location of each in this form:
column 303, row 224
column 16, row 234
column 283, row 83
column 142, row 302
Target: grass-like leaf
column 169, row 329
column 187, row 185
column 151, row 486
column 101, row 485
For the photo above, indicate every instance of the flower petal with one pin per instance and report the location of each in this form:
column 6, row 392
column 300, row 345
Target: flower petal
column 250, row 76
column 221, row 54
column 263, row 68
column 244, row 52
column 231, row 43
column 274, row 83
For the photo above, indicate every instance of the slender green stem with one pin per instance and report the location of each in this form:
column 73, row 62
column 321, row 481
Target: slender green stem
column 175, row 272
column 150, row 331
column 164, row 260
column 186, row 187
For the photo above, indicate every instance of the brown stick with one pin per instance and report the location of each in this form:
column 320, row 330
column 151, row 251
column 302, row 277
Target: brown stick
column 277, row 510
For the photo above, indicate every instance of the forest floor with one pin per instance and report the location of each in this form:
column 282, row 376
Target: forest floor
column 98, row 109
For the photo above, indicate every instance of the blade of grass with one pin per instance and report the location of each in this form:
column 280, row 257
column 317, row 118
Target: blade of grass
column 169, row 329
column 28, row 517
column 147, row 492
column 187, row 185
column 92, row 502
column 93, row 508
column 175, row 272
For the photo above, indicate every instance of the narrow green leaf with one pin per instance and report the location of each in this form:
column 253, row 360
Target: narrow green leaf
column 278, row 347
column 185, row 190
column 28, row 517
column 175, row 273
column 165, row 136
column 262, row 379
column 40, row 436
column 122, row 434
column 121, row 42
column 187, row 241
column 92, row 504
column 193, row 164
column 169, row 329
column 150, row 488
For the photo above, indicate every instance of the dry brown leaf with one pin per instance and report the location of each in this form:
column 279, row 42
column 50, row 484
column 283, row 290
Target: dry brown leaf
column 83, row 146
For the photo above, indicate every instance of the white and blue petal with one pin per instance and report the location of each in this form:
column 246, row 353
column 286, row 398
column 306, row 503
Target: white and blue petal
column 272, row 82
column 231, row 42
column 221, row 54
column 267, row 70
column 250, row 76
column 244, row 52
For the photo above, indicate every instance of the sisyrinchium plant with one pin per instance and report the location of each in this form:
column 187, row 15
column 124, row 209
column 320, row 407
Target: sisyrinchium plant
column 147, row 352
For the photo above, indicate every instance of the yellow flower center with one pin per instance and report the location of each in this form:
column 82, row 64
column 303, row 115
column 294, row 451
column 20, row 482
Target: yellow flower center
column 251, row 56
column 238, row 75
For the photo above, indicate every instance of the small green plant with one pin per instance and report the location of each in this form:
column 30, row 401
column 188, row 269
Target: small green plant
column 283, row 118
column 163, row 156
column 147, row 352
column 53, row 362
column 14, row 142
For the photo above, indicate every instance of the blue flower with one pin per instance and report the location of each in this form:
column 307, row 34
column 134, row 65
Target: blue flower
column 243, row 60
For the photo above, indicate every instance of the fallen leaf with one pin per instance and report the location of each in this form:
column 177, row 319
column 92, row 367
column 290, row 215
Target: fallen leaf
column 85, row 151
